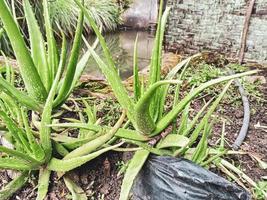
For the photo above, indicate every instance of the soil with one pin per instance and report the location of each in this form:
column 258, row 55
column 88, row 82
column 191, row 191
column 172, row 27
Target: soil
column 99, row 178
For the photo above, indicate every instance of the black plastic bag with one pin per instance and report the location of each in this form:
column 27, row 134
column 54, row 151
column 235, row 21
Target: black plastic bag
column 168, row 178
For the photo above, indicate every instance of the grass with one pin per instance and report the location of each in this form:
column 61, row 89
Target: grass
column 201, row 72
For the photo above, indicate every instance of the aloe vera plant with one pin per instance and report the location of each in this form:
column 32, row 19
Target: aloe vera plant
column 38, row 66
column 33, row 151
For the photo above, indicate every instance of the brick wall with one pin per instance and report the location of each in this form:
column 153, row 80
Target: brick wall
column 217, row 25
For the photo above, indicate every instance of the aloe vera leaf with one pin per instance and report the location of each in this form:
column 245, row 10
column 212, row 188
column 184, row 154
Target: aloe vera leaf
column 94, row 144
column 73, row 143
column 124, row 149
column 90, row 112
column 91, row 127
column 12, row 107
column 20, row 96
column 70, row 164
column 179, row 66
column 43, row 183
column 98, row 33
column 143, row 119
column 71, row 120
column 110, row 70
column 202, row 146
column 45, row 131
column 16, row 132
column 69, row 140
column 213, row 158
column 52, row 54
column 170, row 76
column 132, row 135
column 14, row 185
column 204, row 120
column 15, row 164
column 61, row 150
column 116, row 84
column 91, row 115
column 177, row 90
column 76, row 191
column 71, row 68
column 28, row 71
column 81, row 66
column 136, row 83
column 184, row 120
column 122, row 133
column 173, row 140
column 132, row 171
column 38, row 50
column 145, row 146
column 37, row 150
column 167, row 119
column 19, row 155
column 1, row 32
column 195, row 119
column 155, row 66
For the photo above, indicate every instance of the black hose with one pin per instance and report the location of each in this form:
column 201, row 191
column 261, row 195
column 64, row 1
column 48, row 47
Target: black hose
column 244, row 129
column 246, row 119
